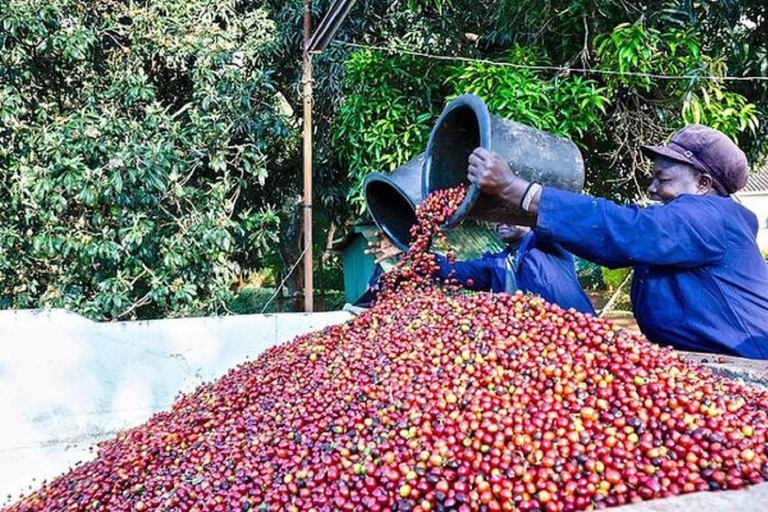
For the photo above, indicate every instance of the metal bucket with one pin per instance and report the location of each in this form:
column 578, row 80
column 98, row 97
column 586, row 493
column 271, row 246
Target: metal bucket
column 466, row 124
column 392, row 200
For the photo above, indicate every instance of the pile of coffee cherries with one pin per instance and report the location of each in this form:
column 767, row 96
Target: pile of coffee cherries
column 435, row 400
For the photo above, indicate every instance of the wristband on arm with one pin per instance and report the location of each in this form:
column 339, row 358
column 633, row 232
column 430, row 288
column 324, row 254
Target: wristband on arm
column 530, row 193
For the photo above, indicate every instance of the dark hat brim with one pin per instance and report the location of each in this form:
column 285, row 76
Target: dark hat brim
column 666, row 152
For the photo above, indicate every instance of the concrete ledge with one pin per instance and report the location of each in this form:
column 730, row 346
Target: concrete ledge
column 752, row 499
column 67, row 383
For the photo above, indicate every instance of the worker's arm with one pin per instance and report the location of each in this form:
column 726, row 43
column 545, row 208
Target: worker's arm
column 382, row 248
column 688, row 232
column 473, row 274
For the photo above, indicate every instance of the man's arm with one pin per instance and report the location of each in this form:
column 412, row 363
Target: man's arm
column 688, row 232
column 491, row 173
column 473, row 274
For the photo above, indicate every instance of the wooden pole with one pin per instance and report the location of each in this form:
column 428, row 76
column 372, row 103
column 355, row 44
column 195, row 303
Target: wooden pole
column 307, row 98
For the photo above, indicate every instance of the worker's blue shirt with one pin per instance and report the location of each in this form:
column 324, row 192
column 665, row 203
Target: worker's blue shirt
column 541, row 268
column 700, row 282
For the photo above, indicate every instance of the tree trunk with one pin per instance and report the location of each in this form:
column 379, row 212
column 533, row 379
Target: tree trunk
column 290, row 252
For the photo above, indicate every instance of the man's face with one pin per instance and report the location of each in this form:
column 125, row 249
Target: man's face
column 671, row 178
column 511, row 234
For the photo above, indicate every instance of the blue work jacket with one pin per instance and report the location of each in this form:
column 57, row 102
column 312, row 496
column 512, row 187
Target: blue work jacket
column 541, row 268
column 700, row 282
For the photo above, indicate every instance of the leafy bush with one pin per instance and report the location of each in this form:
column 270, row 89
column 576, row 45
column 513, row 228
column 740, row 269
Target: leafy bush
column 127, row 134
column 569, row 105
column 636, row 48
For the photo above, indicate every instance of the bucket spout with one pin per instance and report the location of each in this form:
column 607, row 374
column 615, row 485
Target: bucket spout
column 392, row 200
column 466, row 124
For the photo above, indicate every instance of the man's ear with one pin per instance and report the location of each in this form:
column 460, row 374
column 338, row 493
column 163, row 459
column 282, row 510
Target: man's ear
column 705, row 183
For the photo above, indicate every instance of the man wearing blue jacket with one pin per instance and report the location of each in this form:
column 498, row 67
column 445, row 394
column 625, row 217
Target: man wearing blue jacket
column 700, row 282
column 528, row 263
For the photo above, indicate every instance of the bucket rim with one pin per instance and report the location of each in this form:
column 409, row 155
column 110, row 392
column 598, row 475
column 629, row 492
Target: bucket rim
column 378, row 177
column 483, row 118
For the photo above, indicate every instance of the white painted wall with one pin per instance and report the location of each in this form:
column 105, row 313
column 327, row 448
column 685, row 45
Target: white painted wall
column 758, row 203
column 67, row 383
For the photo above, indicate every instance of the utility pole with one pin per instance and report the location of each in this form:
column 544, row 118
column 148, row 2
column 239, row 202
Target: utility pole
column 307, row 100
column 314, row 43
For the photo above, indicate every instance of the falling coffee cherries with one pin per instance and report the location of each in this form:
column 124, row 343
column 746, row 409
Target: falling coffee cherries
column 435, row 400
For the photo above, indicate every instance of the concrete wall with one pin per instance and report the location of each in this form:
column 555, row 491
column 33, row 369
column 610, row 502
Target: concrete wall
column 67, row 383
column 758, row 203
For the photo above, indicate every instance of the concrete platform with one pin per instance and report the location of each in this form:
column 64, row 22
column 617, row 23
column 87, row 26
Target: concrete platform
column 754, row 499
column 67, row 383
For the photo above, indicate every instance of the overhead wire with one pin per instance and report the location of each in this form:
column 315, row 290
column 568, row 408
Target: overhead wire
column 561, row 69
column 282, row 283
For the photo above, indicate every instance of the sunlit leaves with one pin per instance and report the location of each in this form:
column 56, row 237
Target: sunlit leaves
column 634, row 50
column 564, row 105
column 129, row 133
column 388, row 114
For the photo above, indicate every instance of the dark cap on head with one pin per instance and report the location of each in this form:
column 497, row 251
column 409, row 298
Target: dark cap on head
column 709, row 151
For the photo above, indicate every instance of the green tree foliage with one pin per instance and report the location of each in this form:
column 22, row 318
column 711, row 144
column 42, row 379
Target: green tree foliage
column 568, row 105
column 385, row 123
column 127, row 134
column 631, row 48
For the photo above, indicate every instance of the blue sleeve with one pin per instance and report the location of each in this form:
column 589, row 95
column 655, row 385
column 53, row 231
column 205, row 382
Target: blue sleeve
column 479, row 270
column 373, row 282
column 687, row 232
